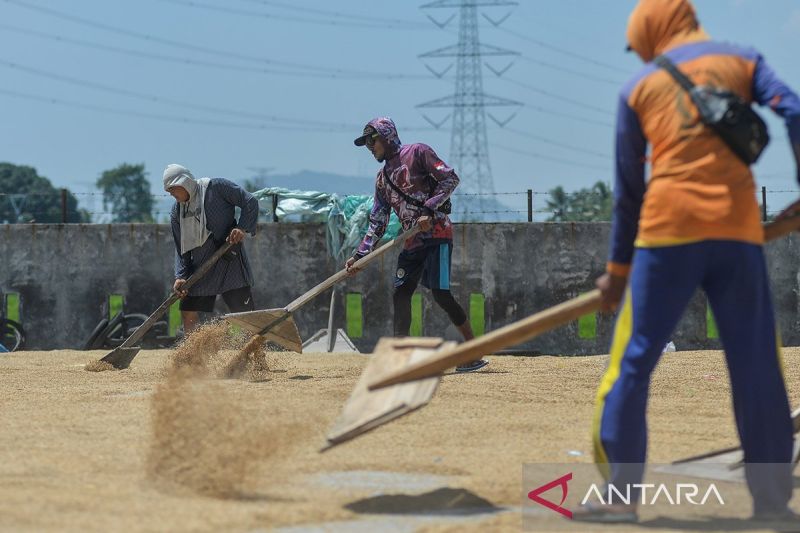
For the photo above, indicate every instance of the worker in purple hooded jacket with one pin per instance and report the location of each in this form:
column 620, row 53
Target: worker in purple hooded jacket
column 416, row 184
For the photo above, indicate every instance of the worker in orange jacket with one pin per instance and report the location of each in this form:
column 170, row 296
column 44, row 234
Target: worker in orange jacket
column 694, row 223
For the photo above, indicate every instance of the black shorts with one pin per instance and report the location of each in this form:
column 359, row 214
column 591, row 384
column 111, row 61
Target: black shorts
column 429, row 264
column 237, row 300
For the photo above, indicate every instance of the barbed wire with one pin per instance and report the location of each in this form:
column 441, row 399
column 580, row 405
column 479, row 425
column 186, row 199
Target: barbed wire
column 490, row 194
column 74, row 193
column 498, row 211
column 110, row 213
column 58, row 192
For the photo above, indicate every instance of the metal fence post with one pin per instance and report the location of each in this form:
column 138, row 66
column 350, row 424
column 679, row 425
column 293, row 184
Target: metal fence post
column 63, row 206
column 274, row 207
column 764, row 203
column 530, row 205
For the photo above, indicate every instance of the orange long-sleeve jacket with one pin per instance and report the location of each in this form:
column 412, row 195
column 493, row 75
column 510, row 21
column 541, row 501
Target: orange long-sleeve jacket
column 698, row 188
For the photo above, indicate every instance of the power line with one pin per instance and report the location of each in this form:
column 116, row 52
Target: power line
column 333, row 73
column 166, row 118
column 578, row 73
column 547, row 157
column 182, row 45
column 558, row 96
column 775, row 174
column 179, row 103
column 308, row 124
column 556, row 143
column 57, row 193
column 250, row 13
column 584, row 120
column 136, row 35
column 563, row 51
column 338, row 14
column 204, row 63
column 148, row 55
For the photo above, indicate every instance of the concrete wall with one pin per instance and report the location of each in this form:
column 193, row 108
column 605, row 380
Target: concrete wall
column 64, row 274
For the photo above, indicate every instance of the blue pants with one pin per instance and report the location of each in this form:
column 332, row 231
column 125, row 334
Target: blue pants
column 734, row 277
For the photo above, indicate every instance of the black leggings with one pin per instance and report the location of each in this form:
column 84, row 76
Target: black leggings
column 402, row 307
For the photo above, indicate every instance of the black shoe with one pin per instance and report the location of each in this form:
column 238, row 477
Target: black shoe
column 472, row 366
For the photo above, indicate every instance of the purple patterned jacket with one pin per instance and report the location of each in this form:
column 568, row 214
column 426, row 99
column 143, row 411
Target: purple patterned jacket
column 417, row 171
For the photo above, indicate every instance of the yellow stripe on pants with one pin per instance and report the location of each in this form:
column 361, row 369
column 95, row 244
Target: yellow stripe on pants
column 622, row 336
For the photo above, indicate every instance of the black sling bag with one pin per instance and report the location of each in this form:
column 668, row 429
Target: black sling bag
column 725, row 112
column 445, row 208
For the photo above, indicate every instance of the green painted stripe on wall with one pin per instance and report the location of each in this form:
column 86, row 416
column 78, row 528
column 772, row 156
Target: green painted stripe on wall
column 174, row 318
column 12, row 307
column 354, row 315
column 416, row 316
column 477, row 313
column 115, row 303
column 587, row 326
column 711, row 324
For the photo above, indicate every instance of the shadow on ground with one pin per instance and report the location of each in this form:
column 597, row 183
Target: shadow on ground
column 439, row 501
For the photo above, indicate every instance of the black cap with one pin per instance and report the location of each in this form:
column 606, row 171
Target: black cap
column 368, row 132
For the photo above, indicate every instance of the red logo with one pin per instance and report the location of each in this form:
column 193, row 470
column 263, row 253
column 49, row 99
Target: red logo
column 562, row 482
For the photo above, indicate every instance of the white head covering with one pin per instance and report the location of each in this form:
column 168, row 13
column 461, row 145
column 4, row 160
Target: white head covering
column 192, row 214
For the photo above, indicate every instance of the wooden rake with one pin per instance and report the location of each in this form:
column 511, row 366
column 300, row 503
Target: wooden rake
column 368, row 408
column 278, row 325
column 528, row 328
column 121, row 356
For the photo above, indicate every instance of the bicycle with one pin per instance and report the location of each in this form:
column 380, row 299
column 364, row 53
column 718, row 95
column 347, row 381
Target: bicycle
column 12, row 335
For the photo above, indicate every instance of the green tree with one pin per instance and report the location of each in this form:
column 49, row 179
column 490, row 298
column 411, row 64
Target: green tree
column 558, row 204
column 592, row 204
column 28, row 197
column 126, row 192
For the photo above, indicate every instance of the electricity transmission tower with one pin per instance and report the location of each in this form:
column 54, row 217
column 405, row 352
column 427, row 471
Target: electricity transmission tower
column 469, row 151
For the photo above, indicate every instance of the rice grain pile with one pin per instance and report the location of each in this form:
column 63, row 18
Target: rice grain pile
column 98, row 366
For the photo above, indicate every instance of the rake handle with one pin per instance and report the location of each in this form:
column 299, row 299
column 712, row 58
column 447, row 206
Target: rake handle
column 510, row 335
column 339, row 276
column 528, row 328
column 140, row 332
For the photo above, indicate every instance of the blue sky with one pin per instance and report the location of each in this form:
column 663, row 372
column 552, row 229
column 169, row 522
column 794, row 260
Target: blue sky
column 209, row 108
